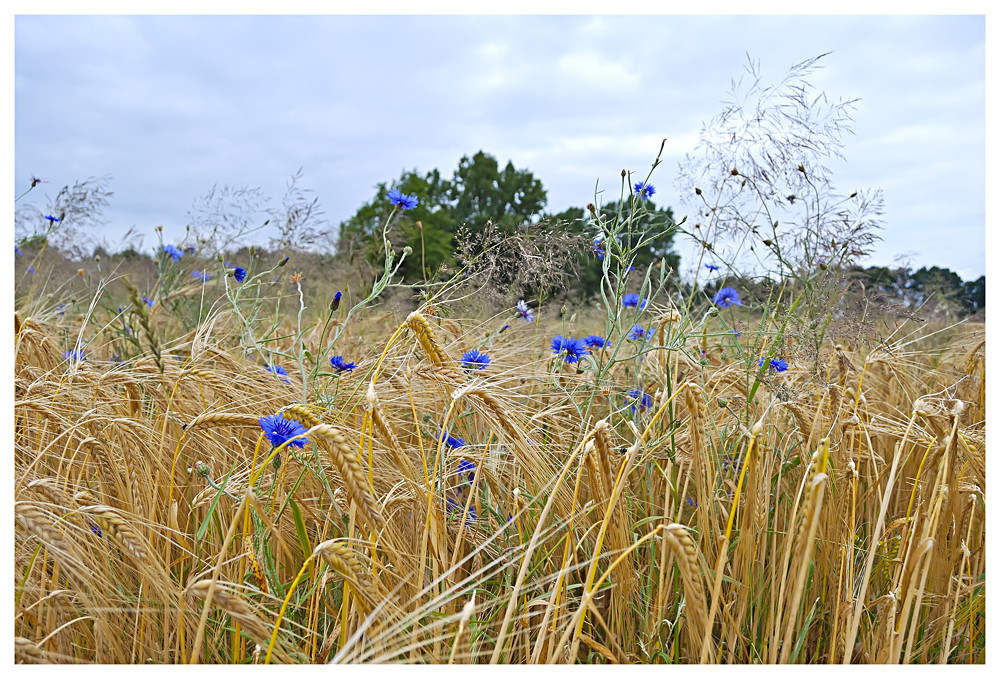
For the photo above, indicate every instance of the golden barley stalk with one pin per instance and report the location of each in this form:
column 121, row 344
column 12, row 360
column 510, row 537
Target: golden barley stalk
column 803, row 554
column 378, row 417
column 686, row 553
column 342, row 560
column 119, row 529
column 303, row 413
column 26, row 651
column 350, row 469
column 255, row 567
column 238, row 609
column 38, row 523
column 428, row 340
column 223, row 420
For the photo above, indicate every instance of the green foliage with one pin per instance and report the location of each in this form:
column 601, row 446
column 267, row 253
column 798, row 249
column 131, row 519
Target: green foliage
column 936, row 288
column 360, row 236
column 481, row 192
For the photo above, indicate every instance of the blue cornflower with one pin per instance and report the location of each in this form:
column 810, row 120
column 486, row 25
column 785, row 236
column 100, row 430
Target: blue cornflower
column 96, row 530
column 631, row 299
column 31, row 270
column 174, row 253
column 641, row 399
column 644, row 191
column 53, row 219
column 335, row 304
column 474, row 360
column 505, row 326
column 240, row 274
column 732, row 463
column 466, row 467
column 397, row 197
column 148, row 302
column 572, row 349
column 691, row 502
column 201, row 275
column 598, row 247
column 452, row 441
column 737, row 333
column 630, row 268
column 526, row 314
column 637, row 333
column 594, row 341
column 278, row 370
column 727, row 297
column 711, row 267
column 17, row 251
column 279, row 428
column 460, row 507
column 341, row 365
column 74, row 355
column 777, row 365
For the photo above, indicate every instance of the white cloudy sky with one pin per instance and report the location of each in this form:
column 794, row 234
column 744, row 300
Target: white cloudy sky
column 170, row 105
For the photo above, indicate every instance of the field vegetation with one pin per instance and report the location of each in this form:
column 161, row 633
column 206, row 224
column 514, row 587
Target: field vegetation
column 250, row 455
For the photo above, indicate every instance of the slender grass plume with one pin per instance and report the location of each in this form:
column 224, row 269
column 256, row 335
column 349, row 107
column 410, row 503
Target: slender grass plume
column 256, row 465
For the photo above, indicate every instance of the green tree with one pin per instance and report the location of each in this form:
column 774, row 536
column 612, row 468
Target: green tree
column 480, row 191
column 649, row 222
column 428, row 229
column 975, row 295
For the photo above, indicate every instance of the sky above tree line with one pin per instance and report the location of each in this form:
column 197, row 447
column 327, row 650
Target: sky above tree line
column 169, row 106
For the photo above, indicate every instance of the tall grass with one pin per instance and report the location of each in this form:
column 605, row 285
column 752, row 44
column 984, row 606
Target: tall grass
column 678, row 497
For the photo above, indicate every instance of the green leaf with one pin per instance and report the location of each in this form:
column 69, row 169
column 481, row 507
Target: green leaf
column 211, row 510
column 300, row 528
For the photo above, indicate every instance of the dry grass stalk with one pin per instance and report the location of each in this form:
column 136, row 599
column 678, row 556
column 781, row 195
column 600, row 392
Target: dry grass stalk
column 149, row 329
column 25, row 651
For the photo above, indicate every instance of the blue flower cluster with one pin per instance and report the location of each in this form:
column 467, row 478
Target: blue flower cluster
column 279, row 429
column 174, row 253
column 340, row 365
column 278, row 370
column 644, row 191
column 726, row 297
column 777, row 365
column 638, row 334
column 407, row 202
column 474, row 360
column 451, row 441
column 572, row 350
column 631, row 300
column 524, row 312
column 640, row 399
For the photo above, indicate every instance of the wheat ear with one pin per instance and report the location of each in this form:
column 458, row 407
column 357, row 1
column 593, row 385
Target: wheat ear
column 686, row 552
column 237, row 608
column 350, row 470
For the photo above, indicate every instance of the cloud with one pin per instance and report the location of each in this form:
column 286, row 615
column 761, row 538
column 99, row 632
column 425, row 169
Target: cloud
column 170, row 106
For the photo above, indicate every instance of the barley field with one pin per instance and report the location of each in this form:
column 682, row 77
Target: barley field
column 231, row 470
